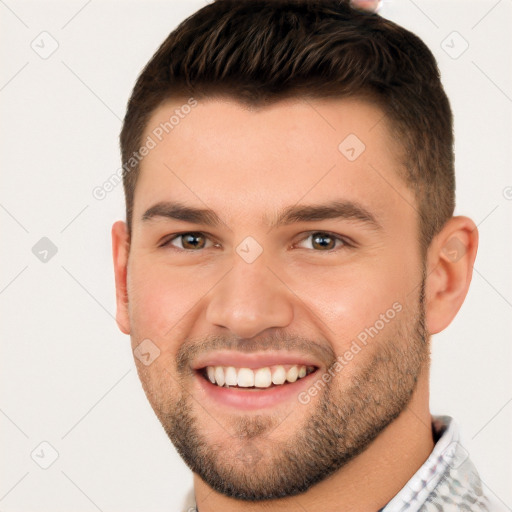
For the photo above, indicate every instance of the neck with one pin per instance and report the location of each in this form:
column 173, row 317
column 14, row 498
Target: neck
column 384, row 468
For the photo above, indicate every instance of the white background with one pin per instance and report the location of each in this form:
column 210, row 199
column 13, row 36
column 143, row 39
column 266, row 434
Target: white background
column 67, row 374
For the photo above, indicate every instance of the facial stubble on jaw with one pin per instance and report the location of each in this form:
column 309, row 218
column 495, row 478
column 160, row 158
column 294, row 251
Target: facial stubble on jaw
column 248, row 465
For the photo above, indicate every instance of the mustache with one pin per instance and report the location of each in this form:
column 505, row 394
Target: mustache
column 277, row 341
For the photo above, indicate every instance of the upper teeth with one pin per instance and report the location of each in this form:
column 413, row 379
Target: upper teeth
column 258, row 377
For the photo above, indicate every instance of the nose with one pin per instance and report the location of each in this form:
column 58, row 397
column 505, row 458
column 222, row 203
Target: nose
column 250, row 299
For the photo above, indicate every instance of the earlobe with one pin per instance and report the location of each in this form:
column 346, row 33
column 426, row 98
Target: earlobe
column 450, row 260
column 120, row 251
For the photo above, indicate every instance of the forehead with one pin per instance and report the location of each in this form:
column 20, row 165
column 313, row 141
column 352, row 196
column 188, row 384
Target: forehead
column 244, row 161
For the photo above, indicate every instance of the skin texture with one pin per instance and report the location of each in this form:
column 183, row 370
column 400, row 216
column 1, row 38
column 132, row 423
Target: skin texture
column 371, row 424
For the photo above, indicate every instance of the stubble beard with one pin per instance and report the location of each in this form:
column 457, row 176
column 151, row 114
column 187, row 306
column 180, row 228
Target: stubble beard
column 249, row 465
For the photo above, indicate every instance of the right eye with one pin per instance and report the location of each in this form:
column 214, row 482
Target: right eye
column 188, row 241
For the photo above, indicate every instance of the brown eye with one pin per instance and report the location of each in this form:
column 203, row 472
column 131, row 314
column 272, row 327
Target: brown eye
column 193, row 240
column 324, row 241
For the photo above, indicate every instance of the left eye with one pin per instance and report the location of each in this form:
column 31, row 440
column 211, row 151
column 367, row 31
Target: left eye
column 324, row 241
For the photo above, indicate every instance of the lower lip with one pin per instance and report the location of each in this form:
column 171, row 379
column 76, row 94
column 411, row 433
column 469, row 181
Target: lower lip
column 251, row 399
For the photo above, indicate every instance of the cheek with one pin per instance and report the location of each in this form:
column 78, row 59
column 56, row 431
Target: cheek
column 350, row 299
column 159, row 297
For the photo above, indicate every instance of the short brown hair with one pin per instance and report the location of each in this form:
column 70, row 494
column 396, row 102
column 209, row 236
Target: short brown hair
column 260, row 51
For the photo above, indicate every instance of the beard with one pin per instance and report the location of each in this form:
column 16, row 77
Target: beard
column 351, row 410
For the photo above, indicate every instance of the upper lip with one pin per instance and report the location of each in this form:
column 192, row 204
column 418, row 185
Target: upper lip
column 255, row 360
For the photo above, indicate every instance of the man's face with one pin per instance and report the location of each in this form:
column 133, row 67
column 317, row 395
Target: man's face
column 252, row 292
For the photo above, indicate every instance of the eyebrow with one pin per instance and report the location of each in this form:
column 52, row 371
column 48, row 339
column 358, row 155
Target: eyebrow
column 342, row 209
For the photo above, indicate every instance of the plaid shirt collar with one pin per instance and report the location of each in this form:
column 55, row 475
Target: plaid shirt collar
column 446, row 481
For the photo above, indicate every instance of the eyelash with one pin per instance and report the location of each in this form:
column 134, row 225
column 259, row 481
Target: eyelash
column 346, row 244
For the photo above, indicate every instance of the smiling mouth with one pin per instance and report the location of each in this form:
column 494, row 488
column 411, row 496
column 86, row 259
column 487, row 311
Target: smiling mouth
column 255, row 379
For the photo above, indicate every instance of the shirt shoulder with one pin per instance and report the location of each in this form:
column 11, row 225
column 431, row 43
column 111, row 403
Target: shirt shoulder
column 447, row 481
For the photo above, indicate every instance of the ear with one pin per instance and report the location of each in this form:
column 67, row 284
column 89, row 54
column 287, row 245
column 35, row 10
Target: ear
column 450, row 260
column 120, row 251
